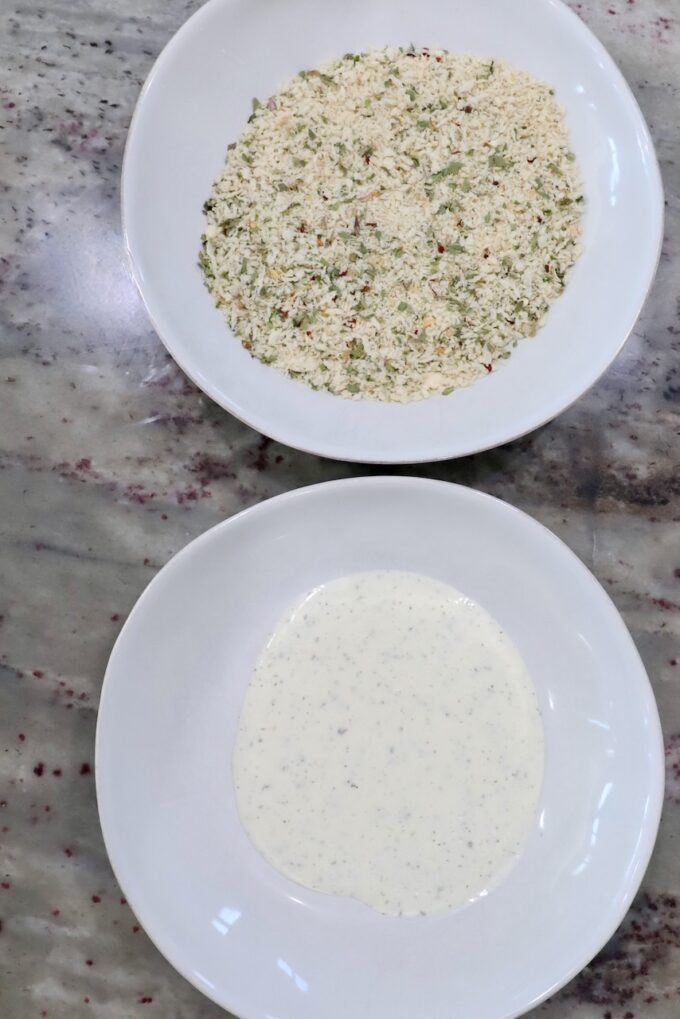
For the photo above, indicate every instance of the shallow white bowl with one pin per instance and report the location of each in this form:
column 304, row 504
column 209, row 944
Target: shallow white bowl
column 266, row 948
column 197, row 100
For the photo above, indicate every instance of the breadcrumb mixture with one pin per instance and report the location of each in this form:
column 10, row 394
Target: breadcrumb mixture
column 389, row 226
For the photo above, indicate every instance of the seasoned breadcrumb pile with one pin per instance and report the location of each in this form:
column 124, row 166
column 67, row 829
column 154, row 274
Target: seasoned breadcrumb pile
column 388, row 226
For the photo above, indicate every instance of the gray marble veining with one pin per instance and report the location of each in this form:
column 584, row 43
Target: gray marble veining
column 111, row 461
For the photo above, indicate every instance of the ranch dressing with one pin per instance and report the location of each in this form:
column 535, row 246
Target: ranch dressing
column 390, row 746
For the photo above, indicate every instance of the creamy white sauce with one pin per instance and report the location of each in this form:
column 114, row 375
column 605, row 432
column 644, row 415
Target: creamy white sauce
column 390, row 746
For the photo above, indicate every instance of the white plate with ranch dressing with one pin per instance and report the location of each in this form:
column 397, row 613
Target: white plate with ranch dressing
column 262, row 944
column 197, row 100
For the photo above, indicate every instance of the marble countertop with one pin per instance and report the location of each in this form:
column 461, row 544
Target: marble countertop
column 111, row 461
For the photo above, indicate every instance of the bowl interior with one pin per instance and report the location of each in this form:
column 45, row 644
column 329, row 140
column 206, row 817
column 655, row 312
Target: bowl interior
column 263, row 946
column 197, row 100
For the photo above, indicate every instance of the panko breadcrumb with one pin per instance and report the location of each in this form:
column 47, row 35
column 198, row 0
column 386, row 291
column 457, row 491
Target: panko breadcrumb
column 390, row 225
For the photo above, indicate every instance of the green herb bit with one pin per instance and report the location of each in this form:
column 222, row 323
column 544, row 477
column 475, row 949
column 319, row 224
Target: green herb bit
column 564, row 202
column 571, row 157
column 554, row 168
column 353, row 388
column 402, row 306
column 454, row 249
column 256, row 105
column 422, row 124
column 356, row 350
column 208, row 206
column 499, row 160
column 228, row 224
column 448, row 390
column 204, row 263
column 448, row 171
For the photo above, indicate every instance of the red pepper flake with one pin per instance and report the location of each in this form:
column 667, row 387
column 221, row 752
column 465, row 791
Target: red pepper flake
column 5, row 884
column 438, row 59
column 123, row 902
column 546, row 267
column 495, row 183
column 69, row 852
column 673, row 661
column 489, row 367
column 89, row 962
column 22, row 737
column 56, row 912
column 532, row 160
column 467, row 109
column 146, row 1000
column 47, row 808
column 38, row 673
column 135, row 929
column 116, row 615
column 164, row 516
column 308, row 333
column 85, row 769
column 364, row 290
column 441, row 249
column 96, row 898
column 39, row 769
column 56, row 772
column 282, row 312
column 486, row 253
column 301, row 228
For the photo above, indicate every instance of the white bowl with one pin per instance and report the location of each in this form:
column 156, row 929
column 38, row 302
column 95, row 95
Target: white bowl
column 197, row 100
column 264, row 947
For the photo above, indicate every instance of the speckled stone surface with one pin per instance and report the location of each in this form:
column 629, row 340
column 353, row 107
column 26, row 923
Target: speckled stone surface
column 112, row 461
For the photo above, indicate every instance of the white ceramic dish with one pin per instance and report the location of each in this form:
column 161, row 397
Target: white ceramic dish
column 262, row 946
column 197, row 100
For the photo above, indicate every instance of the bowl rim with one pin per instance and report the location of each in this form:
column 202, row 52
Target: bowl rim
column 632, row 879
